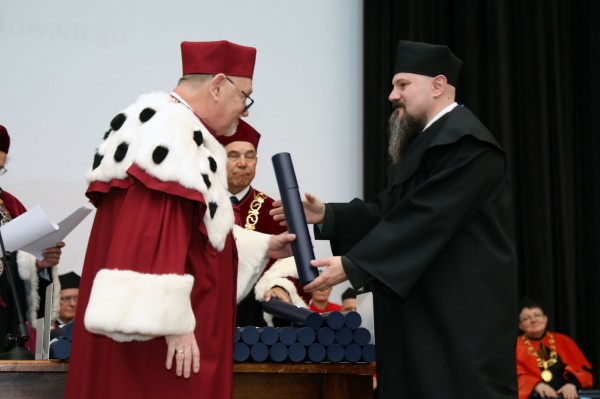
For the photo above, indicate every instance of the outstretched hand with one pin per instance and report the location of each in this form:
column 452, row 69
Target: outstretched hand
column 333, row 274
column 314, row 210
column 280, row 246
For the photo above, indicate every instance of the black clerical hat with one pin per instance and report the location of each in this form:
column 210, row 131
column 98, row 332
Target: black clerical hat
column 427, row 59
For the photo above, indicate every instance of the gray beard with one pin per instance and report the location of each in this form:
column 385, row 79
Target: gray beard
column 401, row 133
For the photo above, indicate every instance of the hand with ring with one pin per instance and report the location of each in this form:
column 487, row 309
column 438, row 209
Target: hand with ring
column 186, row 352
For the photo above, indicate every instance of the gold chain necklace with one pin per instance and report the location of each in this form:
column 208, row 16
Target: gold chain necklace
column 254, row 210
column 543, row 363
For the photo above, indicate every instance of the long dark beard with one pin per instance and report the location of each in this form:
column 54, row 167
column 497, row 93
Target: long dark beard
column 402, row 131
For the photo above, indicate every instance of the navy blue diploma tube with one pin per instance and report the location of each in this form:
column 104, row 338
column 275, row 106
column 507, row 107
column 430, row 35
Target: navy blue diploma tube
column 362, row 336
column 344, row 336
column 306, row 336
column 268, row 335
column 335, row 353
column 352, row 320
column 259, row 352
column 316, row 352
column 297, row 352
column 335, row 320
column 241, row 352
column 287, row 335
column 368, row 353
column 250, row 335
column 295, row 217
column 278, row 352
column 293, row 313
column 325, row 336
column 353, row 353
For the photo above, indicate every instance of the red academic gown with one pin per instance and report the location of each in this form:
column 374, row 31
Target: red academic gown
column 8, row 318
column 529, row 373
column 26, row 264
column 168, row 253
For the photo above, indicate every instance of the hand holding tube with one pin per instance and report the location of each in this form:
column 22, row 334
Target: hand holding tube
column 314, row 210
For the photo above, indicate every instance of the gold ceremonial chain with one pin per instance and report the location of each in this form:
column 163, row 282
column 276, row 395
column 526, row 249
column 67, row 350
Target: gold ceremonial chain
column 252, row 217
column 548, row 361
column 4, row 218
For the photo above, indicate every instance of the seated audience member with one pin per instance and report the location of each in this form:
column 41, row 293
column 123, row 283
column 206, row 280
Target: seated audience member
column 548, row 363
column 349, row 300
column 69, row 293
column 320, row 302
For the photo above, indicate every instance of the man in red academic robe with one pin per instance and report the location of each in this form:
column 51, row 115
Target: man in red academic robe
column 34, row 275
column 251, row 208
column 158, row 286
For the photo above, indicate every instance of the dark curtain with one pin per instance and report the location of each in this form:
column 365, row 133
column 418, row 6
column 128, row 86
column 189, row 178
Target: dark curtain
column 531, row 74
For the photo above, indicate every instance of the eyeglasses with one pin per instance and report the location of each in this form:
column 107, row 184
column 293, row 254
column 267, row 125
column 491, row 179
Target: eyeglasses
column 3, row 170
column 530, row 318
column 248, row 98
column 69, row 298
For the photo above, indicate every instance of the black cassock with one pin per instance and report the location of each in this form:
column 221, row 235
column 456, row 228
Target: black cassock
column 437, row 248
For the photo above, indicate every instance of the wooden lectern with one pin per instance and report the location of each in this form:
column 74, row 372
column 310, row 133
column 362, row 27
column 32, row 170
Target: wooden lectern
column 44, row 379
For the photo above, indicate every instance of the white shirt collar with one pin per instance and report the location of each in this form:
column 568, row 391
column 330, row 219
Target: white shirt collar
column 440, row 114
column 181, row 100
column 240, row 196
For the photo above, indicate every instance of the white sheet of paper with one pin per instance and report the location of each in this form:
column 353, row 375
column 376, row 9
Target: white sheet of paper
column 30, row 226
column 64, row 228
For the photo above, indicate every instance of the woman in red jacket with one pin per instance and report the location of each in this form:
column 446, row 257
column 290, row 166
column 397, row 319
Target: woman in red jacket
column 548, row 363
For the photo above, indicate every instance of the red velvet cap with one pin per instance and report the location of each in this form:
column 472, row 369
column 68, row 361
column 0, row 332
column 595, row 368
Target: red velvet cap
column 217, row 57
column 4, row 139
column 244, row 132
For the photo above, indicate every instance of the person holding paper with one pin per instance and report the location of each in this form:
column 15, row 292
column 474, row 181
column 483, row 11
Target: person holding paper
column 251, row 208
column 35, row 275
column 436, row 247
column 156, row 306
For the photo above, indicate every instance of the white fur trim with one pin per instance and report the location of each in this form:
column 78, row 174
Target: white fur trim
column 252, row 248
column 26, row 265
column 28, row 272
column 277, row 275
column 172, row 127
column 126, row 305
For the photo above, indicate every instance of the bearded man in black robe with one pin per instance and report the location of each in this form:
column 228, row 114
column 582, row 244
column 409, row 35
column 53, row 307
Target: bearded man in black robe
column 436, row 246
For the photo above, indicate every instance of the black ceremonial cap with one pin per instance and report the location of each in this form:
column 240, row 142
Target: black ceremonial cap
column 69, row 280
column 427, row 59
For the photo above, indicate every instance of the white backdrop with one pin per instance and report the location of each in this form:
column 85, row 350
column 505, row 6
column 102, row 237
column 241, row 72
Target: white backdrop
column 67, row 67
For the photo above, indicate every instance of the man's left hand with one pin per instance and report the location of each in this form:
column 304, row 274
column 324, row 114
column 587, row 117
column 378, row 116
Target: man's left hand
column 277, row 292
